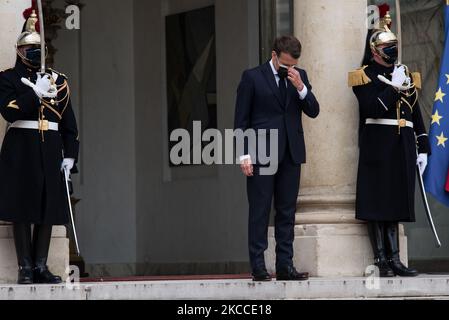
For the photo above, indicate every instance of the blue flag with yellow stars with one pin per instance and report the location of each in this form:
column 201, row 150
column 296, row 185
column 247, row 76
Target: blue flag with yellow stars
column 437, row 171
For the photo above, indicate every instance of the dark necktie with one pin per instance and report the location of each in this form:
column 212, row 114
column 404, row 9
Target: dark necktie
column 283, row 90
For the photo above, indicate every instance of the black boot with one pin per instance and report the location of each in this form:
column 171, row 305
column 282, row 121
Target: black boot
column 41, row 245
column 22, row 240
column 376, row 235
column 392, row 238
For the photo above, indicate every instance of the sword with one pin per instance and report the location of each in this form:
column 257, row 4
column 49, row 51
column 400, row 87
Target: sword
column 66, row 176
column 427, row 207
column 42, row 33
column 399, row 30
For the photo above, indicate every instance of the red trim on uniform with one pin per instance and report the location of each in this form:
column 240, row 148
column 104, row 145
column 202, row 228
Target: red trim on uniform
column 447, row 183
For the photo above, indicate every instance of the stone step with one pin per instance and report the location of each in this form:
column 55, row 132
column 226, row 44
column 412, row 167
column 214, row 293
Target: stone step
column 422, row 287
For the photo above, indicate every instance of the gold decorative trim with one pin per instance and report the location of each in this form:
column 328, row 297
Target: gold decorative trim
column 13, row 105
column 52, row 109
column 407, row 103
column 416, row 76
column 58, row 73
column 358, row 77
column 67, row 100
column 62, row 86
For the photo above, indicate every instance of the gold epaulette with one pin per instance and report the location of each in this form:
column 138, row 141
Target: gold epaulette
column 358, row 77
column 416, row 77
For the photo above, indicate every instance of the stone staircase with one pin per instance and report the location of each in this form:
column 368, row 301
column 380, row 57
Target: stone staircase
column 422, row 287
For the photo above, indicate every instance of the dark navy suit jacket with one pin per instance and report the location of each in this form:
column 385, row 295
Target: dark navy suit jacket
column 259, row 106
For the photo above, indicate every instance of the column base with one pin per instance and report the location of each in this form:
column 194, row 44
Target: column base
column 58, row 258
column 331, row 250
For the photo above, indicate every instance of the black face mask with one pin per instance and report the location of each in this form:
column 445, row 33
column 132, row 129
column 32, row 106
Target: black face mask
column 283, row 72
column 392, row 54
column 33, row 56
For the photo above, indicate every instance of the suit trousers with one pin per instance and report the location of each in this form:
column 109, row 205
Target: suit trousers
column 283, row 187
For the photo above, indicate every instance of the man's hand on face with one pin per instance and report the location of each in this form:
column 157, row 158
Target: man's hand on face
column 295, row 78
column 247, row 168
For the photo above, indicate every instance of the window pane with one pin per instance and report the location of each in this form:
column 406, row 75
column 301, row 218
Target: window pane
column 276, row 19
column 191, row 71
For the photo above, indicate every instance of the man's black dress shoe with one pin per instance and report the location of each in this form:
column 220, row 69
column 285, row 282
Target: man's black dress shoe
column 290, row 274
column 25, row 275
column 43, row 276
column 261, row 275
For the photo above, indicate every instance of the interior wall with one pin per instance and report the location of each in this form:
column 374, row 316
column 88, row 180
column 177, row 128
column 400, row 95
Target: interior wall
column 190, row 219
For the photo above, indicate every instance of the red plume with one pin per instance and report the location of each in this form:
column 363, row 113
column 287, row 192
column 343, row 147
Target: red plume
column 27, row 13
column 383, row 9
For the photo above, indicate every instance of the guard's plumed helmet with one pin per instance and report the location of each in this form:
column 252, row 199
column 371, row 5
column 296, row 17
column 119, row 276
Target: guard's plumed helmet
column 383, row 37
column 29, row 35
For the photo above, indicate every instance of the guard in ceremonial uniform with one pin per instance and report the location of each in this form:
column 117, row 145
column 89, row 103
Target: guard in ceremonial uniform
column 391, row 130
column 41, row 140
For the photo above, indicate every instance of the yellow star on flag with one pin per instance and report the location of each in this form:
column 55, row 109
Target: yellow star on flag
column 442, row 140
column 447, row 76
column 439, row 95
column 436, row 118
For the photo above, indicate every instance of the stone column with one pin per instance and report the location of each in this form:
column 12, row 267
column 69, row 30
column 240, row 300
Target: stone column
column 11, row 22
column 329, row 241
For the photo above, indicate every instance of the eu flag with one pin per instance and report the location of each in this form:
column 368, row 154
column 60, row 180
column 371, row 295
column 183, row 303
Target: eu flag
column 437, row 173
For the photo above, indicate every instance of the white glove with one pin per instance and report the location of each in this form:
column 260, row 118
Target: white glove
column 422, row 162
column 399, row 79
column 67, row 164
column 398, row 76
column 44, row 88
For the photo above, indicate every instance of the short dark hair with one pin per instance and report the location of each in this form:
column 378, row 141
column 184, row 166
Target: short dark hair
column 288, row 44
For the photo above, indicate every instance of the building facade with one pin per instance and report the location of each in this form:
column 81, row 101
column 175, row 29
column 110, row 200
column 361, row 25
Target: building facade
column 141, row 215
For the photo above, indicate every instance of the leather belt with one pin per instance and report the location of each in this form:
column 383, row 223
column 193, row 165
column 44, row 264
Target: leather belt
column 391, row 122
column 41, row 125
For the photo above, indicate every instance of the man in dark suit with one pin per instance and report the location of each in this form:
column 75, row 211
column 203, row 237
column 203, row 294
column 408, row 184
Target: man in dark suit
column 273, row 96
